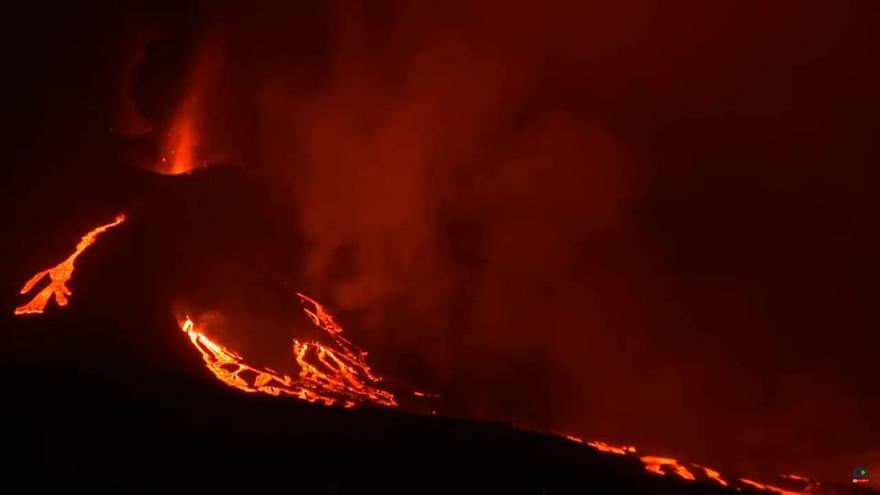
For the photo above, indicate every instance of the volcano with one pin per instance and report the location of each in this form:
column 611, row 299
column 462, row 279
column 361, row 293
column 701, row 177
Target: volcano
column 104, row 392
column 463, row 246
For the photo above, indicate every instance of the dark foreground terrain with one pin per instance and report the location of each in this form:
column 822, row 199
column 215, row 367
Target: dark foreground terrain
column 107, row 395
column 120, row 431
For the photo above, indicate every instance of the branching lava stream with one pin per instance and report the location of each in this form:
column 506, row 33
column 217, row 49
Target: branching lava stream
column 59, row 275
column 330, row 375
column 338, row 373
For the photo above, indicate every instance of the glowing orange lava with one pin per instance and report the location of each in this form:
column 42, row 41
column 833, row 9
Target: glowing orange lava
column 796, row 477
column 712, row 475
column 662, row 465
column 656, row 465
column 181, row 150
column 335, row 374
column 180, row 143
column 328, row 375
column 59, row 275
column 425, row 395
column 769, row 488
column 612, row 449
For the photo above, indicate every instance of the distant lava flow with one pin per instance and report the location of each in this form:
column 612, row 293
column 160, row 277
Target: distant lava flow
column 59, row 275
column 663, row 465
column 769, row 488
column 338, row 375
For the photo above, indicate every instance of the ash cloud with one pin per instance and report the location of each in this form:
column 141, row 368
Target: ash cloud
column 642, row 223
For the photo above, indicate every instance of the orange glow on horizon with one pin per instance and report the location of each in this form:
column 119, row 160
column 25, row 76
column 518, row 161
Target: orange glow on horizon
column 59, row 275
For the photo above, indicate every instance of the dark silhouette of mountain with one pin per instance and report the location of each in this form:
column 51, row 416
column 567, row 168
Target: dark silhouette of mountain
column 107, row 395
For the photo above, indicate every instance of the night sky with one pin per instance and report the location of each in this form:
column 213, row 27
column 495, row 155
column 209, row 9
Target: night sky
column 651, row 223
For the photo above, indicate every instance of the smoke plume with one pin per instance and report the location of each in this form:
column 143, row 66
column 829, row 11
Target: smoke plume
column 642, row 223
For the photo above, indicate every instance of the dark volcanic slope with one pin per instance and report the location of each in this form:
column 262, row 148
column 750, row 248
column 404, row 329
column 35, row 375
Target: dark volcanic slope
column 106, row 395
column 131, row 432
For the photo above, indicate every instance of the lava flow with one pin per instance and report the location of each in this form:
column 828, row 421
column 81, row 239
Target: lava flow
column 663, row 465
column 327, row 375
column 769, row 488
column 59, row 275
column 604, row 447
column 712, row 475
column 655, row 465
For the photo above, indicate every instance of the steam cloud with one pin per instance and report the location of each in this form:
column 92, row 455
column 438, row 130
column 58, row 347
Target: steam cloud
column 633, row 223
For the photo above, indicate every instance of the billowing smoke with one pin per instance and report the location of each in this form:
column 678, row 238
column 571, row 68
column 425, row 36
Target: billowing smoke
column 643, row 223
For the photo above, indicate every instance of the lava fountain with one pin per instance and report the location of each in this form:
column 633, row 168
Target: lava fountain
column 181, row 147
